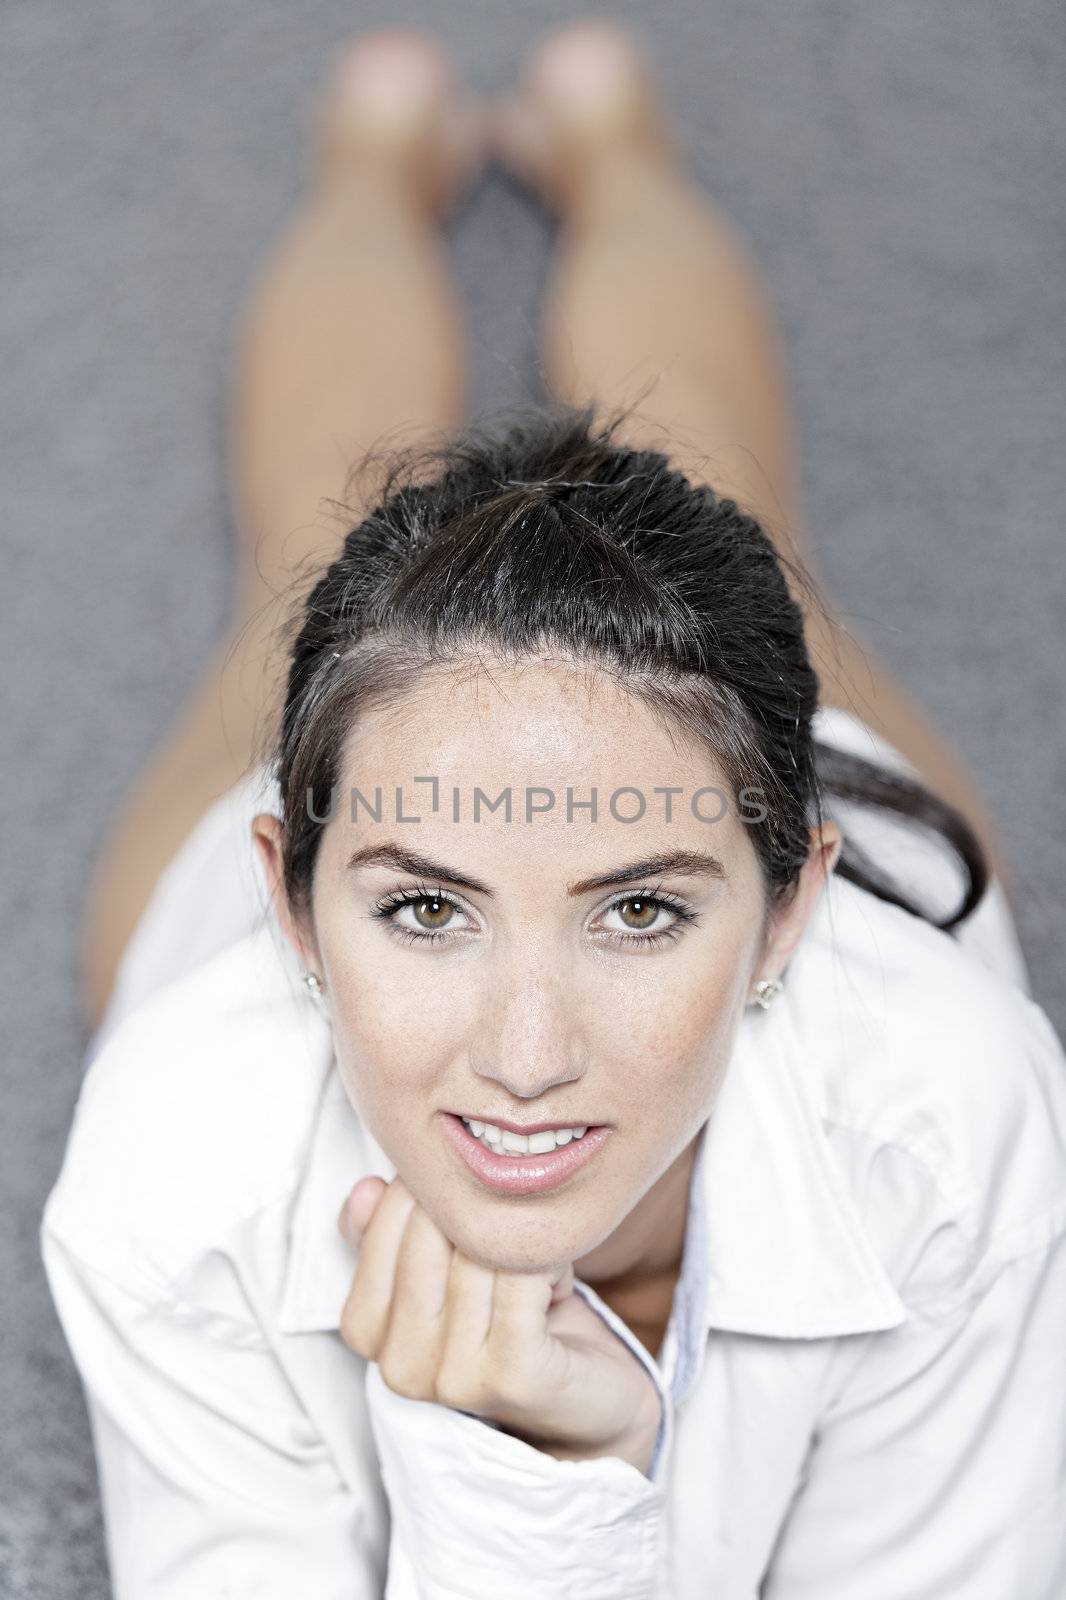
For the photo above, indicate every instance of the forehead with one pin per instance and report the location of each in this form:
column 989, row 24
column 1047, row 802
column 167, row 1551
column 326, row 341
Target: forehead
column 546, row 716
column 544, row 727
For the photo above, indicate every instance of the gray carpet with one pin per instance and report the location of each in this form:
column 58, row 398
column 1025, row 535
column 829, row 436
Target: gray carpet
column 898, row 169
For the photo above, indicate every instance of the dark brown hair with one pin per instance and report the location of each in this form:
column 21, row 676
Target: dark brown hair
column 540, row 531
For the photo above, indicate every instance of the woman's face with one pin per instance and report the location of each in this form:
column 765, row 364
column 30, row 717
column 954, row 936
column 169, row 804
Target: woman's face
column 520, row 972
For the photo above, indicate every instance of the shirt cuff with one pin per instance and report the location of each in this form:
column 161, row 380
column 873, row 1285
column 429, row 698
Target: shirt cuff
column 665, row 1437
column 478, row 1513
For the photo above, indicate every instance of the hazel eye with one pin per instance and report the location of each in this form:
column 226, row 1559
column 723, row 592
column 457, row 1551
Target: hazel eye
column 637, row 913
column 640, row 918
column 433, row 913
column 438, row 915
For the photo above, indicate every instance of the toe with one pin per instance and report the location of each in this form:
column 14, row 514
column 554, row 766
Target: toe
column 519, row 139
column 467, row 137
column 387, row 84
column 588, row 69
column 396, row 94
column 586, row 90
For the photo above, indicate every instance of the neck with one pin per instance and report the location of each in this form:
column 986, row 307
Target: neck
column 647, row 1245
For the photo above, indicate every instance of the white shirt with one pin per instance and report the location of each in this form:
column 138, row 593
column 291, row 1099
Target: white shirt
column 862, row 1377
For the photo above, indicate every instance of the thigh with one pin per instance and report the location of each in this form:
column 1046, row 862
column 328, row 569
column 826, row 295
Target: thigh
column 747, row 455
column 223, row 728
column 853, row 677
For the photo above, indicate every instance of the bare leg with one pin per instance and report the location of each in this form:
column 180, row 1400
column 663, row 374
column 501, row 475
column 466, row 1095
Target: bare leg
column 352, row 337
column 652, row 282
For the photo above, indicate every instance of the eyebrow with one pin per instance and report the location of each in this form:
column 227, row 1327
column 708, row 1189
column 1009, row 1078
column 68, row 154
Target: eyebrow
column 689, row 863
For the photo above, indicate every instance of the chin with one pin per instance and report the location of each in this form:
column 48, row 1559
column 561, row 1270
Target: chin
column 526, row 1242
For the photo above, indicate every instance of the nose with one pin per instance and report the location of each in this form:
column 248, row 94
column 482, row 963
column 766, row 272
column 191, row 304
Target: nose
column 532, row 1036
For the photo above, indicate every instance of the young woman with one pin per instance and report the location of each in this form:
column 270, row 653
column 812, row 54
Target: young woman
column 564, row 1114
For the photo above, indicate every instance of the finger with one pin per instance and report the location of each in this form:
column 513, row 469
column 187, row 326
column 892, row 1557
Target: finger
column 358, row 1208
column 467, row 1320
column 563, row 1285
column 365, row 1317
column 519, row 1327
column 410, row 1355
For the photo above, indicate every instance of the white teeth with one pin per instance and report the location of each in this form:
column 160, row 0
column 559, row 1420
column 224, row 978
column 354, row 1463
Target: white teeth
column 540, row 1143
column 503, row 1142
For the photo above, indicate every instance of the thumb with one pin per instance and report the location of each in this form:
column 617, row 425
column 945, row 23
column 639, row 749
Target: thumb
column 358, row 1208
column 563, row 1285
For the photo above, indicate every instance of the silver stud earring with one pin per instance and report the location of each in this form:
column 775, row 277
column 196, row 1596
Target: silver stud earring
column 314, row 984
column 767, row 991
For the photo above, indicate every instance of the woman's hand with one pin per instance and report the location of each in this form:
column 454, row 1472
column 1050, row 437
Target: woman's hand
column 518, row 1349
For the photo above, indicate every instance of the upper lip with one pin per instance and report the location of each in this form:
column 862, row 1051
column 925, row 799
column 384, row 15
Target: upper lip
column 519, row 1127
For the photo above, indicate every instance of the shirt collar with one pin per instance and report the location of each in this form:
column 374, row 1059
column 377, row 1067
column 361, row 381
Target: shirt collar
column 783, row 1250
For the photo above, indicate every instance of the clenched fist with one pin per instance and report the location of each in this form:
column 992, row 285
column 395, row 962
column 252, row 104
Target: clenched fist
column 518, row 1349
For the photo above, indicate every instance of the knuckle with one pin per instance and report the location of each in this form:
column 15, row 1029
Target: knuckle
column 509, row 1387
column 399, row 1376
column 456, row 1389
column 356, row 1333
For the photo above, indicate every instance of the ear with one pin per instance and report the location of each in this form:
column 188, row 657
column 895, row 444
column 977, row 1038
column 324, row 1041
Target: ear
column 790, row 920
column 268, row 835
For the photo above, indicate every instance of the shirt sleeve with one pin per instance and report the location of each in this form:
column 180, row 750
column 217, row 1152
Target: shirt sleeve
column 939, row 1470
column 214, row 1482
column 478, row 1513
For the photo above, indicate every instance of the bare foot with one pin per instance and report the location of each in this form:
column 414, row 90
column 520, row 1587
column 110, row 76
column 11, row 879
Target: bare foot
column 395, row 103
column 586, row 92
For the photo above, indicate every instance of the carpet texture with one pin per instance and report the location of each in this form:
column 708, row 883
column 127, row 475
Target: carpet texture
column 898, row 170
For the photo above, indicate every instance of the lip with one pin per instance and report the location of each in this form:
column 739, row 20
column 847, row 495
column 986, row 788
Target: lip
column 514, row 1175
column 528, row 1127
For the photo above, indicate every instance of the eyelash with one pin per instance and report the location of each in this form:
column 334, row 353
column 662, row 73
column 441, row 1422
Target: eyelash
column 390, row 904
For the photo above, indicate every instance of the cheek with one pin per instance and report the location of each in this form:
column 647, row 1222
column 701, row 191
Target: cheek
column 669, row 1025
column 396, row 1032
